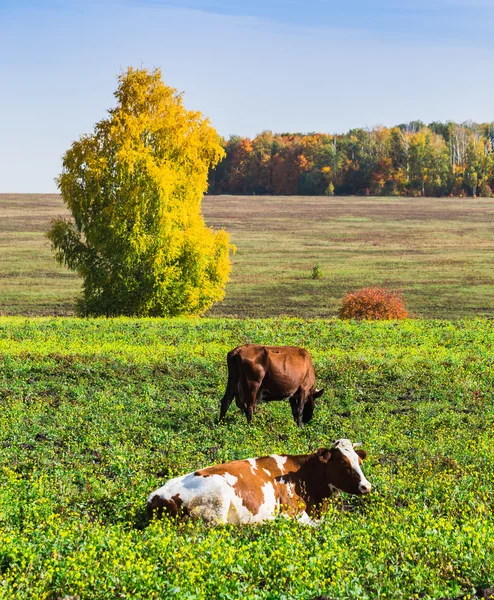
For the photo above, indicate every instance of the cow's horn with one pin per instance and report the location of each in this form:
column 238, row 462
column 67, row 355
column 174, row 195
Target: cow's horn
column 357, row 444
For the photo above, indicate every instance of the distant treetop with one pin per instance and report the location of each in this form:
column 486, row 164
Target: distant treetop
column 411, row 159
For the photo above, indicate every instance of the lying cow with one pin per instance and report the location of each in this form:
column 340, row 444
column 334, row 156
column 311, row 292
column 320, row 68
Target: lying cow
column 264, row 373
column 256, row 489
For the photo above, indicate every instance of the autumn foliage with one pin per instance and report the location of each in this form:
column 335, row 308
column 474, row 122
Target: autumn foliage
column 134, row 187
column 411, row 159
column 373, row 303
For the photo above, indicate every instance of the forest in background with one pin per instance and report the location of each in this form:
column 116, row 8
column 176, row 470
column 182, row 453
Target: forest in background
column 411, row 159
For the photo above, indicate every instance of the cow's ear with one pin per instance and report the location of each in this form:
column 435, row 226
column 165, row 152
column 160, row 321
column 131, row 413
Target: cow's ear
column 324, row 454
column 362, row 453
column 318, row 393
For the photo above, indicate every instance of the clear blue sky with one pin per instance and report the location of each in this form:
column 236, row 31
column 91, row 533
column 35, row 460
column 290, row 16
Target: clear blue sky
column 250, row 65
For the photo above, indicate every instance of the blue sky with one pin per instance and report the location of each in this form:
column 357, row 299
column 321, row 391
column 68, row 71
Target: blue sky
column 284, row 65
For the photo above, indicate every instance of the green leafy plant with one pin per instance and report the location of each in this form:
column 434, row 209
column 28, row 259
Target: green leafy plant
column 317, row 272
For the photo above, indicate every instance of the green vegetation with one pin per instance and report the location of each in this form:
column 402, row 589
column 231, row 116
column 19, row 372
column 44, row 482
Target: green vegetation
column 438, row 252
column 316, row 272
column 98, row 413
column 134, row 189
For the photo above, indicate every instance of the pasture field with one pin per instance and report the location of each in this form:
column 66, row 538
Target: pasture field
column 98, row 413
column 438, row 251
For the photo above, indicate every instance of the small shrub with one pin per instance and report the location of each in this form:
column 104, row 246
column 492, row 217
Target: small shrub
column 316, row 272
column 373, row 303
column 330, row 190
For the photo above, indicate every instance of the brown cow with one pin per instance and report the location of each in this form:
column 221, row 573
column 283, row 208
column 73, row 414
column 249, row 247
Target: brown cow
column 257, row 489
column 264, row 373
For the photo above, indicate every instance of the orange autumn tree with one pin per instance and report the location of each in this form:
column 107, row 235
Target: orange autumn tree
column 134, row 187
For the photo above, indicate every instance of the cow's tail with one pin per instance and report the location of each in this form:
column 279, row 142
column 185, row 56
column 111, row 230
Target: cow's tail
column 230, row 386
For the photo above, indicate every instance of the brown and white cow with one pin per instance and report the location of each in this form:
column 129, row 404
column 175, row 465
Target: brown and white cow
column 256, row 489
column 264, row 373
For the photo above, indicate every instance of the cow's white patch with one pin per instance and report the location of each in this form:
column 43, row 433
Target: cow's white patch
column 206, row 497
column 253, row 465
column 280, row 461
column 346, row 448
column 268, row 509
column 267, row 472
column 289, row 487
column 239, row 513
column 231, row 479
column 270, row 506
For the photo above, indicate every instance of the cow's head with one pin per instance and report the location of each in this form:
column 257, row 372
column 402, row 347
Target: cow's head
column 308, row 410
column 343, row 468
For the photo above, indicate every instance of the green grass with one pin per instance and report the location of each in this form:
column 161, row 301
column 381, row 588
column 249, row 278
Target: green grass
column 98, row 413
column 437, row 251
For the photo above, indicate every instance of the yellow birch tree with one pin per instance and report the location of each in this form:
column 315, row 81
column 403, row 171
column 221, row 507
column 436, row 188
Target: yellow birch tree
column 134, row 188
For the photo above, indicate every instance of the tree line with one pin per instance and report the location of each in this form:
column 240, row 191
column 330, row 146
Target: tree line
column 411, row 159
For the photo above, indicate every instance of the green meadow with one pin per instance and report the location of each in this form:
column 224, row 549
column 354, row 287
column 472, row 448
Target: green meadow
column 98, row 413
column 438, row 251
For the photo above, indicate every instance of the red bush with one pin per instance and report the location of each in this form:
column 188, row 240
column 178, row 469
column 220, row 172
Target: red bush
column 373, row 303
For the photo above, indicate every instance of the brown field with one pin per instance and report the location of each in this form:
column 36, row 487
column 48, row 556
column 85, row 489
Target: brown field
column 439, row 252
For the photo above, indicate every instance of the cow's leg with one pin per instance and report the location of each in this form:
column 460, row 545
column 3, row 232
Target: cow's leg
column 249, row 409
column 250, row 398
column 225, row 403
column 230, row 388
column 304, row 519
column 297, row 408
column 249, row 381
column 308, row 411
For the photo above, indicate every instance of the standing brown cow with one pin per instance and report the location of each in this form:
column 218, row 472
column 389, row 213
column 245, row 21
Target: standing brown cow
column 264, row 373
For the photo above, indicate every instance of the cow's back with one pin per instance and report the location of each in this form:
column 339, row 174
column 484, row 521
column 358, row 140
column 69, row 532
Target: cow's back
column 259, row 351
column 277, row 358
column 288, row 367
